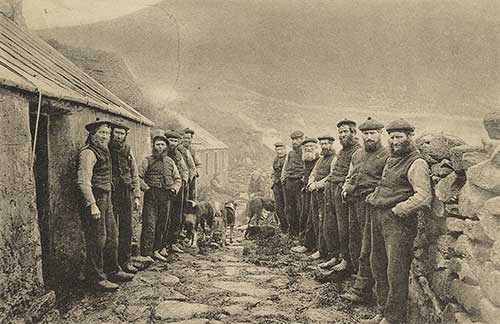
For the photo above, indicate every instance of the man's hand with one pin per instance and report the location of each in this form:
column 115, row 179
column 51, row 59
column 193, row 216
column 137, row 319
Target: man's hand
column 311, row 187
column 398, row 212
column 344, row 194
column 137, row 203
column 95, row 212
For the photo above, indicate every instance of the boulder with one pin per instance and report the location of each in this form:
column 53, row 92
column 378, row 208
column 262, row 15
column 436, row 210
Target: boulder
column 468, row 296
column 495, row 254
column 471, row 199
column 475, row 231
column 472, row 158
column 441, row 169
column 436, row 147
column 485, row 175
column 489, row 312
column 489, row 280
column 495, row 154
column 466, row 272
column 175, row 310
column 471, row 251
column 455, row 225
column 449, row 187
column 491, row 123
column 489, row 214
column 457, row 155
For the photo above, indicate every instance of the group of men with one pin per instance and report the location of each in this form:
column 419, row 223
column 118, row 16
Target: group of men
column 110, row 182
column 356, row 209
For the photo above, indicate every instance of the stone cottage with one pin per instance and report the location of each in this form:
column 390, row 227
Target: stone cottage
column 45, row 103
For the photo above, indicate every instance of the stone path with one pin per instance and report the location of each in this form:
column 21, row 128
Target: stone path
column 215, row 288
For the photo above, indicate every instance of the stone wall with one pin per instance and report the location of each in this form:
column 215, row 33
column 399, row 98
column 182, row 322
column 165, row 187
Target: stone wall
column 20, row 251
column 455, row 276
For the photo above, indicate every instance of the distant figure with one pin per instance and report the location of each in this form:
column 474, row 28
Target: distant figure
column 257, row 185
column 277, row 187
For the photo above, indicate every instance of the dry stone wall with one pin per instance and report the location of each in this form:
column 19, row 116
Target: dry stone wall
column 455, row 276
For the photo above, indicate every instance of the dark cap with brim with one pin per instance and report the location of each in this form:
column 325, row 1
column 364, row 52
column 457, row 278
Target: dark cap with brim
column 90, row 127
column 371, row 124
column 160, row 138
column 188, row 130
column 309, row 140
column 279, row 144
column 119, row 125
column 296, row 134
column 172, row 134
column 399, row 125
column 326, row 137
column 346, row 122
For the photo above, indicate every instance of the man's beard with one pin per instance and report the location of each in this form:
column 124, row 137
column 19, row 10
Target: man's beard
column 347, row 141
column 116, row 143
column 371, row 146
column 295, row 146
column 101, row 142
column 326, row 151
column 308, row 156
column 157, row 153
column 402, row 148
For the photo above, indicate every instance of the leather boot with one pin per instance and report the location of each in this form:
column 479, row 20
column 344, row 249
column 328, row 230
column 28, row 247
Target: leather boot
column 128, row 268
column 376, row 320
column 105, row 285
column 120, row 276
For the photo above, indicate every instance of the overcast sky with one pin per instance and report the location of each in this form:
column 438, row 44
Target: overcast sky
column 40, row 14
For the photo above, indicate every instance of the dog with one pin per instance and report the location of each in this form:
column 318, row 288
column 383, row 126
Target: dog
column 257, row 205
column 229, row 214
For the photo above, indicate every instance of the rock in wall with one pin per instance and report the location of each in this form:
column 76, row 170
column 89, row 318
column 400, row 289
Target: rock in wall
column 20, row 250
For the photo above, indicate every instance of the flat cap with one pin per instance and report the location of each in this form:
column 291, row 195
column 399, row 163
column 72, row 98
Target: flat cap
column 188, row 130
column 296, row 134
column 347, row 122
column 326, row 137
column 309, row 140
column 371, row 124
column 159, row 138
column 279, row 144
column 119, row 125
column 172, row 134
column 399, row 125
column 90, row 127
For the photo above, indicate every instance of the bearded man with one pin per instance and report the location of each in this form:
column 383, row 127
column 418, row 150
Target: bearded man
column 126, row 193
column 160, row 181
column 94, row 180
column 316, row 185
column 404, row 189
column 187, row 142
column 291, row 177
column 307, row 236
column 277, row 187
column 365, row 173
column 336, row 225
column 176, row 210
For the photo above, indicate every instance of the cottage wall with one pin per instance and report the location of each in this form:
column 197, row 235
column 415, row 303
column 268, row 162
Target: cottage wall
column 213, row 161
column 67, row 135
column 20, row 250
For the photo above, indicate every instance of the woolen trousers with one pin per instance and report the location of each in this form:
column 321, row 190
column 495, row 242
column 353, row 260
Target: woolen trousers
column 122, row 210
column 101, row 238
column 391, row 257
column 279, row 197
column 293, row 203
column 155, row 214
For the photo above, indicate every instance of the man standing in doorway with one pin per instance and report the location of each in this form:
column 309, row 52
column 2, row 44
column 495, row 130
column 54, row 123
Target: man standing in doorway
column 364, row 175
column 337, row 222
column 160, row 181
column 187, row 142
column 277, row 187
column 404, row 189
column 126, row 192
column 316, row 185
column 94, row 179
column 291, row 178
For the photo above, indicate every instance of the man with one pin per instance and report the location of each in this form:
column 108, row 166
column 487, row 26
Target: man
column 160, row 181
column 126, row 189
column 176, row 210
column 336, row 224
column 277, row 187
column 291, row 178
column 257, row 185
column 187, row 142
column 365, row 173
column 316, row 185
column 404, row 189
column 99, row 226
column 306, row 224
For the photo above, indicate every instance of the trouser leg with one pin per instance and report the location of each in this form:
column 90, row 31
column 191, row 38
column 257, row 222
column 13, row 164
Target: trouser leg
column 149, row 219
column 175, row 218
column 399, row 235
column 110, row 253
column 279, row 197
column 330, row 224
column 342, row 213
column 310, row 236
column 364, row 278
column 122, row 210
column 192, row 189
column 355, row 229
column 292, row 205
column 319, row 201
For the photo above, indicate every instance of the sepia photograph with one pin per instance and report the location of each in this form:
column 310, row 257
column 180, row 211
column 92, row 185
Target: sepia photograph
column 250, row 161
